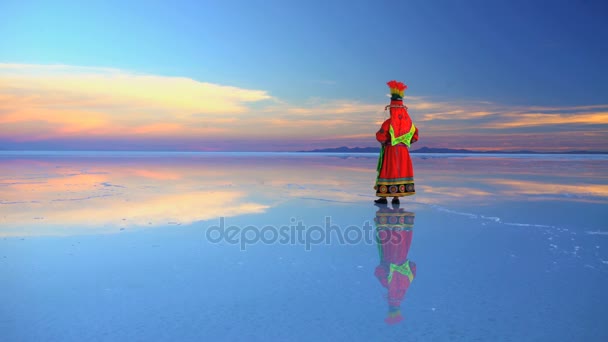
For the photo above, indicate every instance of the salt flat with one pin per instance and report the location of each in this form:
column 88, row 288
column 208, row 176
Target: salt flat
column 135, row 246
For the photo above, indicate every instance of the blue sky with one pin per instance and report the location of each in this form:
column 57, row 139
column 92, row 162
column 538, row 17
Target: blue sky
column 301, row 53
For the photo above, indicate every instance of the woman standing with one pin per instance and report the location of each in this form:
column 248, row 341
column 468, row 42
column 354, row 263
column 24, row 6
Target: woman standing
column 395, row 171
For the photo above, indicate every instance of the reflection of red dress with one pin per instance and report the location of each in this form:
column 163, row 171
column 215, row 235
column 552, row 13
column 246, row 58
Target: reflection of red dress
column 395, row 271
column 396, row 174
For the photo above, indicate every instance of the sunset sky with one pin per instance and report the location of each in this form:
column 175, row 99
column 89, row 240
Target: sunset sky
column 281, row 75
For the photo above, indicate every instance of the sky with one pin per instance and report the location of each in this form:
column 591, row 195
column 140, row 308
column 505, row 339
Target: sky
column 281, row 75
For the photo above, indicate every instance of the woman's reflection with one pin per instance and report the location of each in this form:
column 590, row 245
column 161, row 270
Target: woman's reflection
column 394, row 230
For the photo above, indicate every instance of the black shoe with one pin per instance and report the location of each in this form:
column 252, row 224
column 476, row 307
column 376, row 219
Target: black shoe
column 395, row 200
column 381, row 200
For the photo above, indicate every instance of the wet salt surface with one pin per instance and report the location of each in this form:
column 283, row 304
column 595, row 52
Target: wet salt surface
column 116, row 247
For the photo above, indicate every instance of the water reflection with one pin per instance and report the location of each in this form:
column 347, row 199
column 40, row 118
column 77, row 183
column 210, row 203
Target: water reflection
column 394, row 228
column 51, row 194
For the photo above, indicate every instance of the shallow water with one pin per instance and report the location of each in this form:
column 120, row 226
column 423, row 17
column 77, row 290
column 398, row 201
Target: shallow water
column 128, row 246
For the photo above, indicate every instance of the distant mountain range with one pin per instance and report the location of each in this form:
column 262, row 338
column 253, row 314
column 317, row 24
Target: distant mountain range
column 425, row 149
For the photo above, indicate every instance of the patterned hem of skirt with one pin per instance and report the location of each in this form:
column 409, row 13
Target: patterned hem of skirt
column 395, row 190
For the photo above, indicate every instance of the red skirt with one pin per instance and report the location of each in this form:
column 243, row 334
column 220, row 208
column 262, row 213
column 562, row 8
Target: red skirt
column 395, row 172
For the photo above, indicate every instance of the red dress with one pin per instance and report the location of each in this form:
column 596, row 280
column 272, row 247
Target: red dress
column 395, row 170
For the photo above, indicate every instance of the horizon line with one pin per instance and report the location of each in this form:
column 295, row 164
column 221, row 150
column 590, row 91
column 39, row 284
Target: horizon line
column 568, row 152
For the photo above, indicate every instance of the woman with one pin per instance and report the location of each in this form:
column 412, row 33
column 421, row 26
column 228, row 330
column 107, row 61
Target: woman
column 395, row 172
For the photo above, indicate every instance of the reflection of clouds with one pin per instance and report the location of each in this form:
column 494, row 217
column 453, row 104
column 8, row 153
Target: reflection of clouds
column 61, row 201
column 154, row 174
column 334, row 195
column 454, row 191
column 481, row 179
column 518, row 187
column 103, row 214
column 85, row 195
column 499, row 190
column 74, row 195
column 64, row 184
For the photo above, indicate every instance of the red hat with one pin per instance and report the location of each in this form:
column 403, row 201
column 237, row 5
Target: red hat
column 397, row 89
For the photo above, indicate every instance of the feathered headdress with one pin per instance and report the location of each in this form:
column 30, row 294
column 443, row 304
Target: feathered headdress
column 397, row 89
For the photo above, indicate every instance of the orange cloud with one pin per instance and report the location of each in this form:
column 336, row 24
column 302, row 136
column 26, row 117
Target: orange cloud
column 539, row 119
column 179, row 96
column 45, row 102
column 41, row 102
column 159, row 129
column 498, row 140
